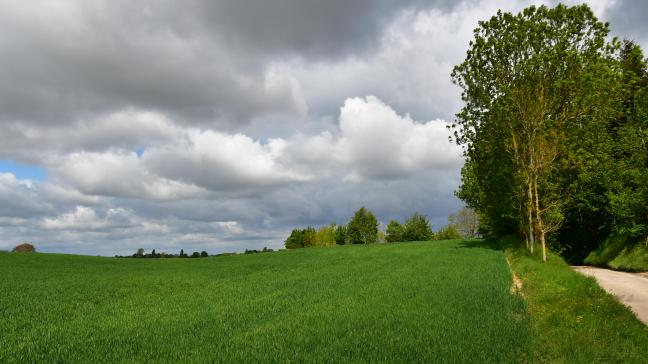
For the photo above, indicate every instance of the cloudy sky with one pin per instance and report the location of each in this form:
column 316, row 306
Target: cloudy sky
column 221, row 125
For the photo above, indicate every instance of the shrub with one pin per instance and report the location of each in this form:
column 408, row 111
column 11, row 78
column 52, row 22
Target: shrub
column 326, row 236
column 394, row 231
column 340, row 235
column 447, row 233
column 310, row 236
column 417, row 228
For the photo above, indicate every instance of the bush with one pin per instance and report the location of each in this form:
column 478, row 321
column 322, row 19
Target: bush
column 447, row 233
column 310, row 236
column 340, row 235
column 417, row 228
column 394, row 232
column 204, row 254
column 326, row 236
column 607, row 251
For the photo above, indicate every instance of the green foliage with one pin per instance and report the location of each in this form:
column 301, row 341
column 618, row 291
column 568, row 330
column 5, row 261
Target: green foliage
column 398, row 303
column 309, row 236
column 554, row 129
column 417, row 228
column 621, row 252
column 363, row 228
column 340, row 234
column 394, row 232
column 447, row 233
column 326, row 236
column 574, row 320
column 204, row 254
column 607, row 251
column 295, row 240
column 633, row 258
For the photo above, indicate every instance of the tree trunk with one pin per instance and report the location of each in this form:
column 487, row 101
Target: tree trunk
column 540, row 224
column 530, row 239
column 544, row 246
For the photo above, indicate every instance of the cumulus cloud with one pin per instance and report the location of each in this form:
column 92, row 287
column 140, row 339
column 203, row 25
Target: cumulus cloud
column 373, row 142
column 127, row 129
column 223, row 162
column 221, row 125
column 378, row 143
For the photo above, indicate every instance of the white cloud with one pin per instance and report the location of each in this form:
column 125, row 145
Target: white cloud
column 225, row 163
column 378, row 143
column 120, row 174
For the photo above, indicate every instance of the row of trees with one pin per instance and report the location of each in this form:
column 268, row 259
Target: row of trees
column 153, row 254
column 554, row 129
column 463, row 224
column 363, row 229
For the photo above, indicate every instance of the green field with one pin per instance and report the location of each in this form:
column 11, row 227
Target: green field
column 410, row 302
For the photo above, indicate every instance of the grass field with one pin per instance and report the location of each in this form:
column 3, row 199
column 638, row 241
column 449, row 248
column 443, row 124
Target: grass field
column 410, row 302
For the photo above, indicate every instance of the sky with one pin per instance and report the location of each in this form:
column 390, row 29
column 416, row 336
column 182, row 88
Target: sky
column 222, row 125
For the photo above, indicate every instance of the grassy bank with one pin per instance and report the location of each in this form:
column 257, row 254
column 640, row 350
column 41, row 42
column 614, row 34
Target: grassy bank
column 574, row 320
column 410, row 302
column 620, row 254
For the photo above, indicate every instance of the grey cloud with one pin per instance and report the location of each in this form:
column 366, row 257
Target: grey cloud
column 628, row 19
column 308, row 28
column 200, row 61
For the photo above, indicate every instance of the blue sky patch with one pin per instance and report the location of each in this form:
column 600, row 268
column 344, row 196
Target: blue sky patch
column 23, row 171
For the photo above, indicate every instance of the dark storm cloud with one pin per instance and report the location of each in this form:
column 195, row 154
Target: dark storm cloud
column 311, row 28
column 197, row 61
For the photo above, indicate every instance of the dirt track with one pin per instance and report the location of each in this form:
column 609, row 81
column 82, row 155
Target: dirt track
column 630, row 288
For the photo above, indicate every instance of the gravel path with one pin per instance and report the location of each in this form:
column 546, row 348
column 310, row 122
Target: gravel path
column 630, row 288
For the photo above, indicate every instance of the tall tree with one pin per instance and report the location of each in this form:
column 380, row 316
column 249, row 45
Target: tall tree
column 629, row 190
column 528, row 80
column 363, row 227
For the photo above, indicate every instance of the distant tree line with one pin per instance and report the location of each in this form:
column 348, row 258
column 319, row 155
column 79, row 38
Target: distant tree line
column 363, row 229
column 140, row 253
column 463, row 224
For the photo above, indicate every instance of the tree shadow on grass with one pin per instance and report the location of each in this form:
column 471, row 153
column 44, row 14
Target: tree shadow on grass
column 484, row 243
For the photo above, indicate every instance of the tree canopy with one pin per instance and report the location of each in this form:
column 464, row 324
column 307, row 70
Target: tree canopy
column 551, row 107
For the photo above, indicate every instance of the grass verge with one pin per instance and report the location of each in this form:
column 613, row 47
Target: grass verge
column 574, row 320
